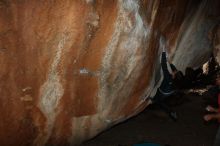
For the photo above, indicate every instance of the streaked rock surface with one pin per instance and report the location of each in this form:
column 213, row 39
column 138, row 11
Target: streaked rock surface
column 73, row 68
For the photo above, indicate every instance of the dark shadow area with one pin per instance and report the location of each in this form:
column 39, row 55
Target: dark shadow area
column 153, row 125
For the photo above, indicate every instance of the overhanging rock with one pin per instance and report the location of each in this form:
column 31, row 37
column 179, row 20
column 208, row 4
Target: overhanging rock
column 72, row 68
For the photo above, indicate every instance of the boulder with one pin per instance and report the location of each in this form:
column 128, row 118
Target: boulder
column 70, row 69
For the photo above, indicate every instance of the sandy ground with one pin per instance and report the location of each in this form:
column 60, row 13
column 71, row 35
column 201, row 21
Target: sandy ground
column 153, row 125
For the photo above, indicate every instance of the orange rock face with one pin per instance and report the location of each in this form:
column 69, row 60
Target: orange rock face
column 71, row 68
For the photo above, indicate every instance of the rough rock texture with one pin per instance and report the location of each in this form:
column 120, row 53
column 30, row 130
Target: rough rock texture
column 72, row 68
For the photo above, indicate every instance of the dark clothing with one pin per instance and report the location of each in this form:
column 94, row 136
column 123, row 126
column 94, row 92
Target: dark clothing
column 179, row 80
column 172, row 66
column 166, row 88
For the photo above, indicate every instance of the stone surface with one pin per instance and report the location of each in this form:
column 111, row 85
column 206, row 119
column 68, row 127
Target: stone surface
column 70, row 69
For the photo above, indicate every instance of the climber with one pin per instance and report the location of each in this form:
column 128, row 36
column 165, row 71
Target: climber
column 166, row 88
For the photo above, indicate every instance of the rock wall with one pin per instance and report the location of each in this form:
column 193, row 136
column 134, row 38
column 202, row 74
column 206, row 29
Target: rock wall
column 72, row 68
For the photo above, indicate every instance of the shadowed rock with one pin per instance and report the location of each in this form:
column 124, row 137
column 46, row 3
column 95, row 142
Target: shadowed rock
column 73, row 68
